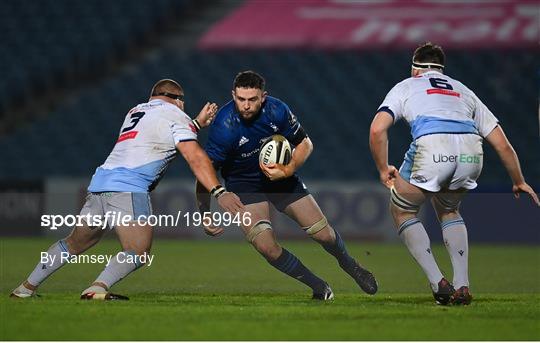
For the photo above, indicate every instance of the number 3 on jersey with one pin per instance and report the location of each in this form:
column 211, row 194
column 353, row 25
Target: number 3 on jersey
column 135, row 117
column 124, row 135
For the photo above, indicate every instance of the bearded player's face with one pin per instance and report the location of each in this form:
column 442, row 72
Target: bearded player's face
column 248, row 101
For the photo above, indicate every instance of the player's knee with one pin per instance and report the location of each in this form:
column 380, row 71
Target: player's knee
column 73, row 246
column 400, row 216
column 403, row 219
column 442, row 213
column 77, row 246
column 401, row 208
column 444, row 207
column 265, row 244
column 257, row 229
column 324, row 234
column 317, row 228
column 395, row 211
column 448, row 216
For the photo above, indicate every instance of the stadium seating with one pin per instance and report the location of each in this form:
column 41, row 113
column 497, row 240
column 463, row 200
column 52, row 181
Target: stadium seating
column 44, row 42
column 334, row 94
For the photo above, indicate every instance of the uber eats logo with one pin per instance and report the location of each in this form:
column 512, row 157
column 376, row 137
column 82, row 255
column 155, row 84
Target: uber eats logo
column 462, row 158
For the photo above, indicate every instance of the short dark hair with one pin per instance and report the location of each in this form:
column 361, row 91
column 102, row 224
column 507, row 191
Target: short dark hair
column 249, row 79
column 166, row 86
column 429, row 53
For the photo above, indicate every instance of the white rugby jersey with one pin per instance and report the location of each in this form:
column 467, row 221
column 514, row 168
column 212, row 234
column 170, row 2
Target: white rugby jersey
column 146, row 145
column 435, row 103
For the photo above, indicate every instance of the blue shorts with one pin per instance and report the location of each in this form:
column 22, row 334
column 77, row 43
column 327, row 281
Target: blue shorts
column 280, row 193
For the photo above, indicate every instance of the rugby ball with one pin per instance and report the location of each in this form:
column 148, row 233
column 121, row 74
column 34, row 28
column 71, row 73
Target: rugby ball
column 275, row 150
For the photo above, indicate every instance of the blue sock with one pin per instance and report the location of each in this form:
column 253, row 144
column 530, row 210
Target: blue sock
column 289, row 264
column 338, row 250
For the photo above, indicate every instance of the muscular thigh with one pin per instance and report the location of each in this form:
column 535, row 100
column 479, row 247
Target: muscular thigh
column 83, row 237
column 305, row 211
column 406, row 200
column 90, row 231
column 257, row 212
column 446, row 203
column 131, row 212
column 91, row 227
column 409, row 192
column 93, row 208
column 135, row 237
column 258, row 233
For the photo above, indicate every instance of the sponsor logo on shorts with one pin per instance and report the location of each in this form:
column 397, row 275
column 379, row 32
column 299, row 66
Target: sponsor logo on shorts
column 419, row 178
column 462, row 158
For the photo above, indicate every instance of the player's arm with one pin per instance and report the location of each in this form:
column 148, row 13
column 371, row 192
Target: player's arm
column 388, row 113
column 204, row 171
column 204, row 119
column 510, row 160
column 203, row 197
column 203, row 203
column 300, row 155
column 378, row 143
column 291, row 129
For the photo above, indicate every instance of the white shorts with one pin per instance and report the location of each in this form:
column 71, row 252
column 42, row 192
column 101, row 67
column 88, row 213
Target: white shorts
column 120, row 206
column 444, row 161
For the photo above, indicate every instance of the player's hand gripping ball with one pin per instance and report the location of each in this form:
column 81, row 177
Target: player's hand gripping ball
column 275, row 150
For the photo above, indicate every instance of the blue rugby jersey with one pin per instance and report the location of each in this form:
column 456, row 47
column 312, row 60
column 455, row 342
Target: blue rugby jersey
column 234, row 143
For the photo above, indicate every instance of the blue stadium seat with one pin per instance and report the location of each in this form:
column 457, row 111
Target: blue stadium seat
column 45, row 40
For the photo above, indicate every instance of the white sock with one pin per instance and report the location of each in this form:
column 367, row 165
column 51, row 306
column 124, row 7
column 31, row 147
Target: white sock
column 416, row 239
column 44, row 270
column 117, row 270
column 455, row 238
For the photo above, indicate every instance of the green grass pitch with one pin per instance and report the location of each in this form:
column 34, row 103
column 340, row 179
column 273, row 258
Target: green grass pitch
column 221, row 290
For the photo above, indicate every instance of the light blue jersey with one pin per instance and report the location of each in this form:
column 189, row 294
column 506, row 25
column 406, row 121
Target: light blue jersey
column 145, row 147
column 435, row 103
column 447, row 122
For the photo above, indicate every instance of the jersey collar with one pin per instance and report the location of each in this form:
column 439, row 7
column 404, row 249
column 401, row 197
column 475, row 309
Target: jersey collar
column 432, row 71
